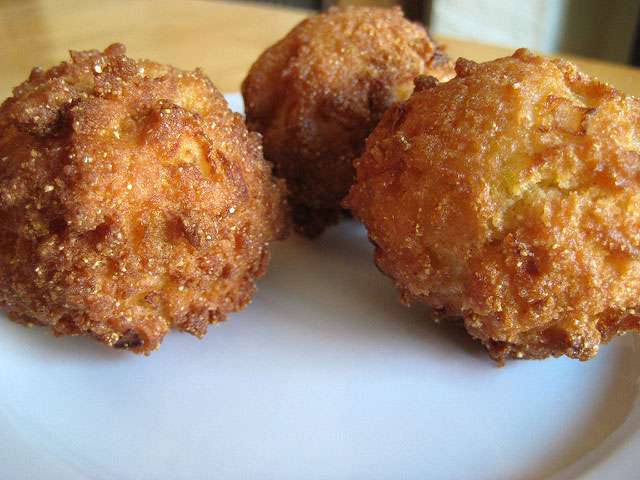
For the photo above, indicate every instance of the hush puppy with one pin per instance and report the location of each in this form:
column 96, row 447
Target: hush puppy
column 132, row 200
column 509, row 197
column 317, row 94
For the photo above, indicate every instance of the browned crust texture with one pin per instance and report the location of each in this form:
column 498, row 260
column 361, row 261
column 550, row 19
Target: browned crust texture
column 510, row 197
column 316, row 95
column 132, row 200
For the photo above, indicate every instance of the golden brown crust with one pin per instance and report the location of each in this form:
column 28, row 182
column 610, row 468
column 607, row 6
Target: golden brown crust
column 132, row 200
column 510, row 197
column 318, row 93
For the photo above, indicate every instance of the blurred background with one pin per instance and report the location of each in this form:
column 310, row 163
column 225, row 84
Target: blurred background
column 604, row 29
column 225, row 37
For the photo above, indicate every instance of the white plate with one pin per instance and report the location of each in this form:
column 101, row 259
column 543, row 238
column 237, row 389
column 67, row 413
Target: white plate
column 324, row 376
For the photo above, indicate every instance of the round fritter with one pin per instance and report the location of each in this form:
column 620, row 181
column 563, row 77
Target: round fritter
column 132, row 200
column 317, row 94
column 510, row 197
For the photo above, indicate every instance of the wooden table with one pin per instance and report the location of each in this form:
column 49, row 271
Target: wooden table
column 220, row 37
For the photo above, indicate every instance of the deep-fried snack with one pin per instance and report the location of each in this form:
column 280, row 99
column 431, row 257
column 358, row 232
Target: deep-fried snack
column 316, row 95
column 132, row 200
column 510, row 197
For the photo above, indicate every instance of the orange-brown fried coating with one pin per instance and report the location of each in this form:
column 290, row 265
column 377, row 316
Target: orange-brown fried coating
column 132, row 200
column 317, row 94
column 510, row 197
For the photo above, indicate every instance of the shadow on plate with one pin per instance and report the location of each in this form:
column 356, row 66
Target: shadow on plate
column 336, row 275
column 40, row 342
column 611, row 409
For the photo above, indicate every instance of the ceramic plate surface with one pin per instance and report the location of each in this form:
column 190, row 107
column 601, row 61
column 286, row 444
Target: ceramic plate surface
column 324, row 376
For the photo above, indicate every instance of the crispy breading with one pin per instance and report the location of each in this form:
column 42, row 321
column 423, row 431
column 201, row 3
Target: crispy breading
column 317, row 94
column 132, row 200
column 510, row 197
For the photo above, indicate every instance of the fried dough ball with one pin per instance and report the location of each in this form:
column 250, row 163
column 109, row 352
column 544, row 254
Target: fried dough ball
column 317, row 94
column 132, row 200
column 510, row 197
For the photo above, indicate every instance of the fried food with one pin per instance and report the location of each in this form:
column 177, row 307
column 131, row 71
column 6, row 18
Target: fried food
column 132, row 200
column 317, row 94
column 510, row 197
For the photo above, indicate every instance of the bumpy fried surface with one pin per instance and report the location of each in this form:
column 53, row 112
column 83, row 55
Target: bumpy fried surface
column 510, row 197
column 132, row 200
column 318, row 93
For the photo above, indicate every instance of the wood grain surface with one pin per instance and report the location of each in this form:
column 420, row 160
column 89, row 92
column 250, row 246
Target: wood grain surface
column 222, row 38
